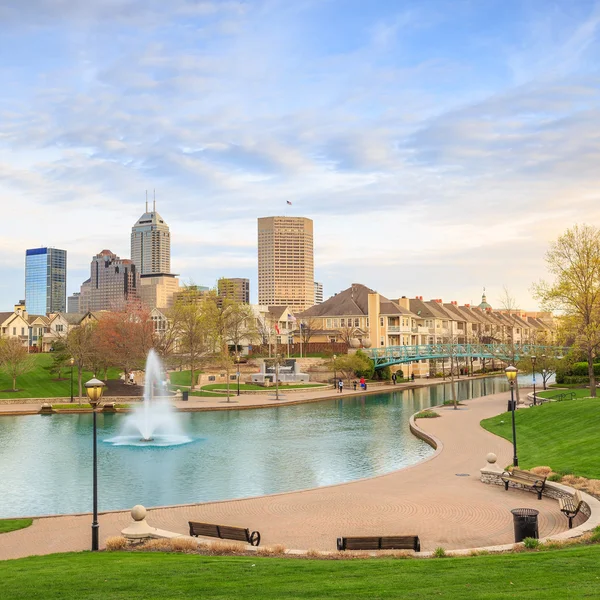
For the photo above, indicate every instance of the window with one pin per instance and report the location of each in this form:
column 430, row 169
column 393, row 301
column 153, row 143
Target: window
column 336, row 323
column 382, row 342
column 60, row 328
column 22, row 330
column 328, row 323
column 343, row 323
column 356, row 322
column 381, row 321
column 211, row 378
column 367, row 321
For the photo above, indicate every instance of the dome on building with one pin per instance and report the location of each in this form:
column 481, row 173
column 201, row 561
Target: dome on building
column 484, row 303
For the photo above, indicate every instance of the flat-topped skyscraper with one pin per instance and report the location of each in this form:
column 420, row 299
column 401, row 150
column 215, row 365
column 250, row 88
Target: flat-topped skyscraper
column 285, row 262
column 45, row 281
column 151, row 244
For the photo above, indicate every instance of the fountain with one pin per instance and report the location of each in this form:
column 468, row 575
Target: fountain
column 154, row 423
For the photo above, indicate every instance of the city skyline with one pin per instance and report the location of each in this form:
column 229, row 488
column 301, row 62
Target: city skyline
column 438, row 147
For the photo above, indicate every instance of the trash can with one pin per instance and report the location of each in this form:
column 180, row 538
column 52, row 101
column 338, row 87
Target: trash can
column 185, row 396
column 510, row 403
column 525, row 521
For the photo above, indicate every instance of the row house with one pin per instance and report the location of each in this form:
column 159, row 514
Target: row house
column 28, row 329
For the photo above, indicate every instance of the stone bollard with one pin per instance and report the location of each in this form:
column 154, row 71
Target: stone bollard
column 139, row 530
column 46, row 409
column 491, row 472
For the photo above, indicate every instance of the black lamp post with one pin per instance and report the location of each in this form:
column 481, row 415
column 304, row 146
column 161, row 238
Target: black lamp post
column 94, row 389
column 237, row 361
column 533, row 359
column 511, row 375
column 72, row 362
column 334, row 373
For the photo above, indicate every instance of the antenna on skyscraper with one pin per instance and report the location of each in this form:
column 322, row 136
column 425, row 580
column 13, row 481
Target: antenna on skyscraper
column 146, row 200
column 154, row 206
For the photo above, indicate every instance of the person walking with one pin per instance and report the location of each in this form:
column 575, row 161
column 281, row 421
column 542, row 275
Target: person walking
column 363, row 385
column 394, row 378
column 341, row 385
column 412, row 376
column 354, row 383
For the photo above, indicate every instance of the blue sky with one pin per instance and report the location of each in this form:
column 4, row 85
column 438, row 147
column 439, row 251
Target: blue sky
column 439, row 146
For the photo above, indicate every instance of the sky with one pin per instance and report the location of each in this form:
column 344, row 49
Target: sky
column 439, row 146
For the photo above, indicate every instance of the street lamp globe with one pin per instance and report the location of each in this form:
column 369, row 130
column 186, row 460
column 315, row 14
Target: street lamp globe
column 94, row 388
column 511, row 373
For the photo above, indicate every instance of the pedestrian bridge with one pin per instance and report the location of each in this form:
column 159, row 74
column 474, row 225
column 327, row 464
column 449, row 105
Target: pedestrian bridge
column 395, row 355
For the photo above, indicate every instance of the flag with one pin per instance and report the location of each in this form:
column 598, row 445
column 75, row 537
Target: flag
column 277, row 329
column 291, row 317
column 288, row 202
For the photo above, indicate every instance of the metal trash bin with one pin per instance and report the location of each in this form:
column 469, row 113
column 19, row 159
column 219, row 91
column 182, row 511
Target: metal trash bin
column 185, row 396
column 510, row 403
column 525, row 521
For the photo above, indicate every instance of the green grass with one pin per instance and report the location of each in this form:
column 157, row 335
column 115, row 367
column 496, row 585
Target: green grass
column 252, row 386
column 561, row 435
column 426, row 414
column 39, row 382
column 202, row 394
column 579, row 393
column 154, row 576
column 7, row 525
column 184, row 378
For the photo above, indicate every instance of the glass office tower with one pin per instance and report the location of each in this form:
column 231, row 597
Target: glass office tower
column 45, row 281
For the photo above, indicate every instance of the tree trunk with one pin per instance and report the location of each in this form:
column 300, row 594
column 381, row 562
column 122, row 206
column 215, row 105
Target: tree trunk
column 14, row 382
column 590, row 361
column 192, row 373
column 453, row 387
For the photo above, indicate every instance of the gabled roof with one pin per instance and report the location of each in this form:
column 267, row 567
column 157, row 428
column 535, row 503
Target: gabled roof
column 4, row 316
column 32, row 318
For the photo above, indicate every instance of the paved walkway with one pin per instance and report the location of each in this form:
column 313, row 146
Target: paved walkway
column 428, row 499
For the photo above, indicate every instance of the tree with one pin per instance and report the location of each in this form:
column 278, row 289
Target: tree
column 352, row 365
column 15, row 359
column 124, row 337
column 81, row 343
column 574, row 261
column 347, row 331
column 308, row 326
column 187, row 320
column 60, row 358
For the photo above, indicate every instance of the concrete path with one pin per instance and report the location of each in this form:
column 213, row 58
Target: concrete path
column 428, row 499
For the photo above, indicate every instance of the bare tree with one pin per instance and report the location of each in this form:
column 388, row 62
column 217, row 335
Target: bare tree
column 81, row 344
column 308, row 327
column 15, row 359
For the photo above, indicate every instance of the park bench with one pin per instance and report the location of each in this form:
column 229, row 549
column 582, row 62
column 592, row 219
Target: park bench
column 224, row 532
column 526, row 479
column 571, row 506
column 390, row 542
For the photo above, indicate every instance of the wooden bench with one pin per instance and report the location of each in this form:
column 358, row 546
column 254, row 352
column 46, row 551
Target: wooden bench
column 571, row 506
column 526, row 479
column 391, row 542
column 224, row 532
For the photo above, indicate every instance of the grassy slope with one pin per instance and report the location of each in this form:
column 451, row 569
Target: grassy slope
column 7, row 525
column 579, row 393
column 39, row 382
column 133, row 576
column 561, row 435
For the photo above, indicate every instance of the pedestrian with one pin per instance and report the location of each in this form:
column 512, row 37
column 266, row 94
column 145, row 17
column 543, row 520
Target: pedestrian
column 412, row 377
column 363, row 385
column 341, row 385
column 394, row 378
column 354, row 383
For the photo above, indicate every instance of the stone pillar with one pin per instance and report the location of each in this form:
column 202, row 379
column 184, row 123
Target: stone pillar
column 491, row 472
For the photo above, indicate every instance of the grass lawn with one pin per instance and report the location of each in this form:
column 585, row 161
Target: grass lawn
column 251, row 386
column 40, row 383
column 182, row 378
column 84, row 405
column 579, row 393
column 561, row 435
column 202, row 394
column 154, row 576
column 7, row 525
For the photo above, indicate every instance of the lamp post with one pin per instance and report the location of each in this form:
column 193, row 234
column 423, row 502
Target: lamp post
column 511, row 375
column 533, row 359
column 71, row 362
column 94, row 389
column 237, row 361
column 334, row 373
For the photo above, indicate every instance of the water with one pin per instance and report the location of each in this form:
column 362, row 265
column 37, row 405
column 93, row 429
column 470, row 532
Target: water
column 46, row 461
column 154, row 422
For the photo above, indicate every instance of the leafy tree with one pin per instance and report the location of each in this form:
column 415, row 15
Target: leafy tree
column 81, row 343
column 60, row 358
column 15, row 360
column 357, row 364
column 574, row 261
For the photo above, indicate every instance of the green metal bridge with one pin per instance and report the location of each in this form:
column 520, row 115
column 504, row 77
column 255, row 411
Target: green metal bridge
column 395, row 355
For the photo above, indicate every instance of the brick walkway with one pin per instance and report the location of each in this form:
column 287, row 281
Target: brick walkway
column 428, row 499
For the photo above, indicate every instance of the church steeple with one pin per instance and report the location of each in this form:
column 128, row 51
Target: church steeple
column 484, row 303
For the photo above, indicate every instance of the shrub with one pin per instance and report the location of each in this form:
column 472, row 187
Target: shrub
column 555, row 477
column 541, row 471
column 595, row 537
column 426, row 414
column 531, row 543
column 276, row 550
column 384, row 374
column 184, row 545
column 439, row 552
column 116, row 543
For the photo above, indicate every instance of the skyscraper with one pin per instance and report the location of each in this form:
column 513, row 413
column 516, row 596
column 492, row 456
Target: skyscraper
column 285, row 262
column 318, row 292
column 151, row 244
column 113, row 282
column 234, row 288
column 45, row 281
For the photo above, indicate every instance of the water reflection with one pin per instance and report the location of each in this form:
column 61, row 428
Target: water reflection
column 45, row 462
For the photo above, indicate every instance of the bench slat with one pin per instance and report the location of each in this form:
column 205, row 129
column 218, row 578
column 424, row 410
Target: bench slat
column 205, row 529
column 397, row 542
column 234, row 533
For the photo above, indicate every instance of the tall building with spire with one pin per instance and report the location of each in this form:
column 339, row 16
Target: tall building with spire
column 151, row 253
column 151, row 244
